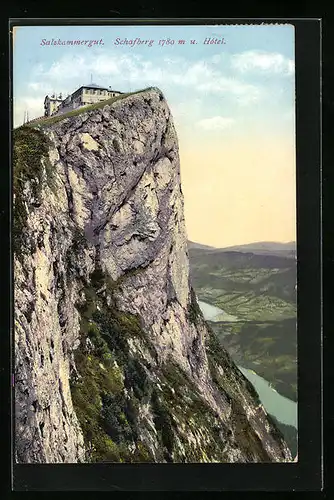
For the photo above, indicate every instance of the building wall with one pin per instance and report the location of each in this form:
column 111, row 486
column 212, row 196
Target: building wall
column 92, row 96
column 51, row 106
column 54, row 106
column 81, row 97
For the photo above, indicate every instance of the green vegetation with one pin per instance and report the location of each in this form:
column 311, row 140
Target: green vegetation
column 259, row 290
column 180, row 411
column 230, row 379
column 103, row 362
column 111, row 382
column 232, row 274
column 193, row 309
column 163, row 423
column 269, row 349
column 290, row 435
column 246, row 438
column 30, row 165
column 96, row 381
column 84, row 109
column 114, row 382
column 231, row 383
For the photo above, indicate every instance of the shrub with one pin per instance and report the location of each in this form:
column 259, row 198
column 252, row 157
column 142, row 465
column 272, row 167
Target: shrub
column 105, row 414
column 163, row 423
column 29, row 161
column 194, row 311
column 136, row 377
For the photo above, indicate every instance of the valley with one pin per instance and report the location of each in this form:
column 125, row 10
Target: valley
column 257, row 294
column 249, row 300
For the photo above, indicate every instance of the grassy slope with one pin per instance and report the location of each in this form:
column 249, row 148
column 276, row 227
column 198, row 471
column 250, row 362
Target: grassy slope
column 31, row 167
column 104, row 365
column 260, row 291
column 45, row 122
column 290, row 435
column 111, row 383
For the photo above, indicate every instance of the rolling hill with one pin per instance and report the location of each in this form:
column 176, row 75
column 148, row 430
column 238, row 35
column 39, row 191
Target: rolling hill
column 271, row 248
column 259, row 290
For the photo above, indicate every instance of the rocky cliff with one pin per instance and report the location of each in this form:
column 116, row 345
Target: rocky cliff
column 113, row 359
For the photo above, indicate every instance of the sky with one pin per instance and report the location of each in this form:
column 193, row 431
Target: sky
column 233, row 106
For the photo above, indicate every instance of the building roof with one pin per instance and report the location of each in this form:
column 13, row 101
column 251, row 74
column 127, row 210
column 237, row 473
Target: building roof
column 94, row 86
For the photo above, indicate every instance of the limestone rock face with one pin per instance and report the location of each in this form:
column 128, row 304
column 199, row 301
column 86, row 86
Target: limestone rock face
column 115, row 205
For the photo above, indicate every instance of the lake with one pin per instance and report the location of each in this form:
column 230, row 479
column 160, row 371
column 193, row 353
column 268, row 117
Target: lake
column 213, row 313
column 284, row 409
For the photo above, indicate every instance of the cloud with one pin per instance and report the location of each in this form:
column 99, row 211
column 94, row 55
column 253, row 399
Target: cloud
column 243, row 93
column 216, row 58
column 39, row 87
column 264, row 62
column 34, row 106
column 202, row 76
column 215, row 123
column 130, row 72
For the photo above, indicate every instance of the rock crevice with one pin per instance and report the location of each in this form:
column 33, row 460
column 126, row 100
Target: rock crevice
column 113, row 359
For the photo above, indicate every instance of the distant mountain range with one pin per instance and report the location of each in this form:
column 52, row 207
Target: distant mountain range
column 254, row 286
column 260, row 248
column 257, row 286
column 192, row 244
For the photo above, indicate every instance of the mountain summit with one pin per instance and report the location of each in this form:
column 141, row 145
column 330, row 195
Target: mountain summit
column 113, row 359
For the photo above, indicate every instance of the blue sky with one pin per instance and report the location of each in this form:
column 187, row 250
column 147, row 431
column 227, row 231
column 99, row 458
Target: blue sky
column 254, row 68
column 232, row 104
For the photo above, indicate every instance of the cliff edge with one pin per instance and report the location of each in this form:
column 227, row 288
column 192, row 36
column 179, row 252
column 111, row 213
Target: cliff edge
column 113, row 358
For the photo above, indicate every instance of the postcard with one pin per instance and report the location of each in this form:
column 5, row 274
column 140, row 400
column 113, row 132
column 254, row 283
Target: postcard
column 154, row 240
